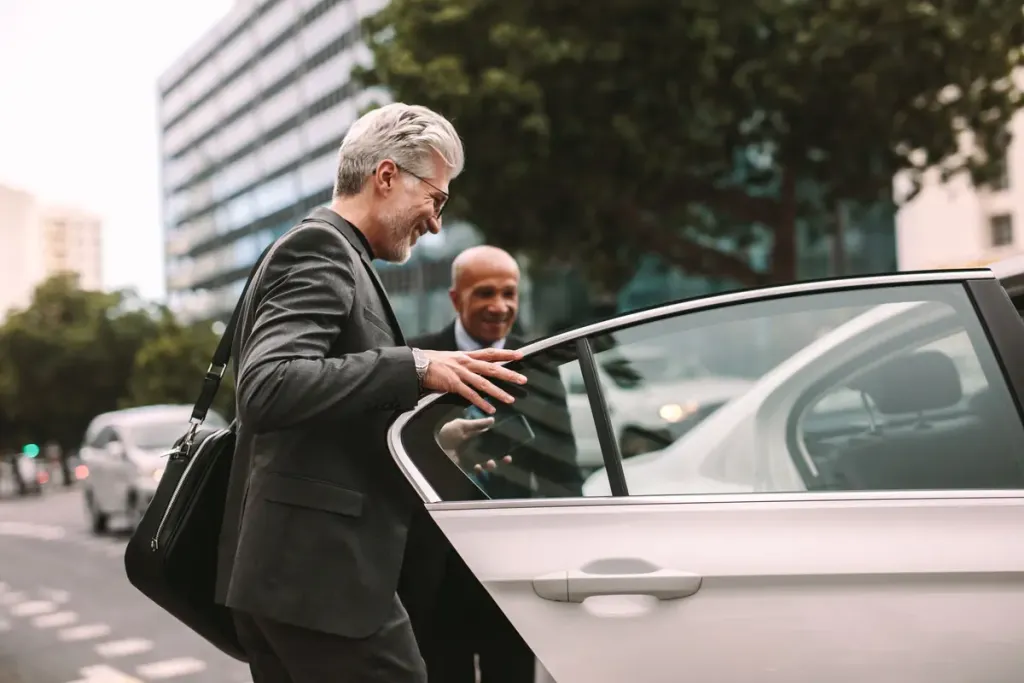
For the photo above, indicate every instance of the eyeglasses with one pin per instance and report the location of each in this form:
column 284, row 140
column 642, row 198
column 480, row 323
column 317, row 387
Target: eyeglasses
column 440, row 199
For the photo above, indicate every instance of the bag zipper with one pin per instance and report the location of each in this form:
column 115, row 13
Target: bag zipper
column 154, row 543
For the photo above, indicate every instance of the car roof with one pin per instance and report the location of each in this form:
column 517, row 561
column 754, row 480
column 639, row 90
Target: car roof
column 129, row 416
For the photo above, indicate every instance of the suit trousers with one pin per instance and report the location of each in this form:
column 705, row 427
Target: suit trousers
column 467, row 628
column 282, row 653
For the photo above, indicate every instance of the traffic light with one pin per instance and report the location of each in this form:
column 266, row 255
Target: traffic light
column 30, row 449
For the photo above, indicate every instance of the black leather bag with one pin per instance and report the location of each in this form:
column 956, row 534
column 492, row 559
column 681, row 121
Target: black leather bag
column 172, row 555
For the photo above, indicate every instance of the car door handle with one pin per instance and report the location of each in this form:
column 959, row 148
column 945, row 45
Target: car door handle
column 578, row 585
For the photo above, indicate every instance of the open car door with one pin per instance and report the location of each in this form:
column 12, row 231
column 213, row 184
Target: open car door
column 852, row 512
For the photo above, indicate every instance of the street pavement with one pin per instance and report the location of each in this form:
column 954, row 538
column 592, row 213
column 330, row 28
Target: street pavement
column 69, row 615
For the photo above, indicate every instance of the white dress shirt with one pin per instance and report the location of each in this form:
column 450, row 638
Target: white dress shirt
column 466, row 343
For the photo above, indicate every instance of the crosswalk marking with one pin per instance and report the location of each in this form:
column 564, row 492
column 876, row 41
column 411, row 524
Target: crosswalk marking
column 32, row 608
column 83, row 632
column 11, row 598
column 54, row 620
column 104, row 674
column 122, row 648
column 43, row 532
column 170, row 668
column 57, row 596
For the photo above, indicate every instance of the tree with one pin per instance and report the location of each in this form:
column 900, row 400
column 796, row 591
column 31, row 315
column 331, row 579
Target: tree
column 170, row 367
column 621, row 127
column 67, row 358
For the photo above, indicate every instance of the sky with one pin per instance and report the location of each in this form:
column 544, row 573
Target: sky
column 78, row 114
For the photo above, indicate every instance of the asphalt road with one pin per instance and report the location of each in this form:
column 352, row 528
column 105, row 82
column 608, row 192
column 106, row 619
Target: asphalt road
column 69, row 615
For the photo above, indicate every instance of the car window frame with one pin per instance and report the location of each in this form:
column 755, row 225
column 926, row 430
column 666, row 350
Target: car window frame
column 1005, row 337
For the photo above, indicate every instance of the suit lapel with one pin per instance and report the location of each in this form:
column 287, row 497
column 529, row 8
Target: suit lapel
column 348, row 231
column 447, row 339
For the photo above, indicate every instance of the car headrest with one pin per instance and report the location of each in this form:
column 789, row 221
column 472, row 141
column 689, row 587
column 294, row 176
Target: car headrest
column 923, row 380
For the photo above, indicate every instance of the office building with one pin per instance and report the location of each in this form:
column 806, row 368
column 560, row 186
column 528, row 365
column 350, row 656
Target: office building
column 251, row 119
column 71, row 241
column 40, row 240
column 955, row 225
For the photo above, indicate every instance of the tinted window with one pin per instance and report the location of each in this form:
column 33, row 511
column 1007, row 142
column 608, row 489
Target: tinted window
column 548, row 433
column 878, row 389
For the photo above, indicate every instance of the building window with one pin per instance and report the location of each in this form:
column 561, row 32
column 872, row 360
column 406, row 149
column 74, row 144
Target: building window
column 1002, row 181
column 1001, row 229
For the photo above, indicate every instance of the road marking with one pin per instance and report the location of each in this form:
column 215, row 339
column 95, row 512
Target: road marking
column 3, row 587
column 84, row 632
column 104, row 674
column 43, row 532
column 121, row 648
column 32, row 608
column 170, row 668
column 54, row 595
column 4, row 625
column 11, row 598
column 54, row 620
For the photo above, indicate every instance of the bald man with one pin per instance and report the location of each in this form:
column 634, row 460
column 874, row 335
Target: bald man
column 485, row 294
column 455, row 620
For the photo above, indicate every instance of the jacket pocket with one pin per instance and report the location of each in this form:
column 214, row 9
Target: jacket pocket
column 310, row 493
column 377, row 321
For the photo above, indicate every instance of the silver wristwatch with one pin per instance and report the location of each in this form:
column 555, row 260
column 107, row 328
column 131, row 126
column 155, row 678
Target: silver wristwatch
column 421, row 362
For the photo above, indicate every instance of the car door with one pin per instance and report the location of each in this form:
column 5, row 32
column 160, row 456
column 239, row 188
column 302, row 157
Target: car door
column 94, row 457
column 768, row 543
column 121, row 471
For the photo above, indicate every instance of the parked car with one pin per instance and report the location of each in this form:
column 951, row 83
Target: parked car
column 122, row 453
column 854, row 514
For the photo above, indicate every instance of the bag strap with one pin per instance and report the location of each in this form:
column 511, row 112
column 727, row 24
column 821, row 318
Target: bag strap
column 222, row 355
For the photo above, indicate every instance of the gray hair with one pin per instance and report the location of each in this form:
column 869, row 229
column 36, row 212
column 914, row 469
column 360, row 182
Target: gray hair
column 407, row 134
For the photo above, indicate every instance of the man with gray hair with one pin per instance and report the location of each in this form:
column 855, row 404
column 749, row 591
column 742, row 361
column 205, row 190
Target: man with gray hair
column 317, row 513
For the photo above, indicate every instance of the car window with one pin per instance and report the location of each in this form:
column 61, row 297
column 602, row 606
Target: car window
column 572, row 377
column 879, row 389
column 548, row 433
column 885, row 388
column 103, row 437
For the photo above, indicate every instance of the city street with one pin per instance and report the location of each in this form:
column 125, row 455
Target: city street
column 68, row 614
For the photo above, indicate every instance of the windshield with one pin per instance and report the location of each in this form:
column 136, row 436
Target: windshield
column 161, row 435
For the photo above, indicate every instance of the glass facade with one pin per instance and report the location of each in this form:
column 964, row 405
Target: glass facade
column 251, row 118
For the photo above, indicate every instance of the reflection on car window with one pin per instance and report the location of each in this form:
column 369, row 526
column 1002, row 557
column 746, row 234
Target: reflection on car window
column 537, row 432
column 855, row 390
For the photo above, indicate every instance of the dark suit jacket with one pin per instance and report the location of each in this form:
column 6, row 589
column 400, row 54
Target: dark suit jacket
column 322, row 370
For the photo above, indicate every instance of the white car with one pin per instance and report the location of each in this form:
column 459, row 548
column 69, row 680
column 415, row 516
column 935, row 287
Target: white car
column 122, row 451
column 854, row 515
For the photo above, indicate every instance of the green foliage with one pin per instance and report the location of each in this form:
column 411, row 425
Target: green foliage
column 617, row 127
column 73, row 354
column 169, row 368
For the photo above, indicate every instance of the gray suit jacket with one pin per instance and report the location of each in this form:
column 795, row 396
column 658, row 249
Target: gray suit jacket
column 317, row 512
